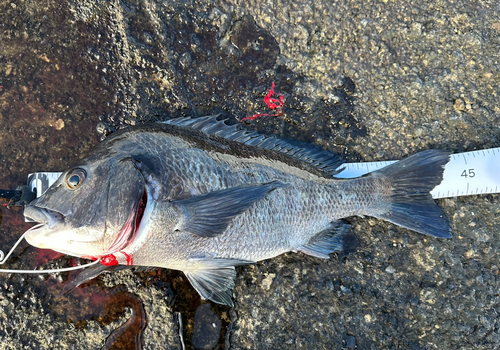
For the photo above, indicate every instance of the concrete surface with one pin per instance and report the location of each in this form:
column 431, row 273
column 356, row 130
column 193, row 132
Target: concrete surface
column 373, row 80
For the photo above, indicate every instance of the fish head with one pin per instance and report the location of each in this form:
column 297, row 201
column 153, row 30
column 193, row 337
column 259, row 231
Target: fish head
column 92, row 210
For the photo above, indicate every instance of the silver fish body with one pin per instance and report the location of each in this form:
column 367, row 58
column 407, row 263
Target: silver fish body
column 199, row 196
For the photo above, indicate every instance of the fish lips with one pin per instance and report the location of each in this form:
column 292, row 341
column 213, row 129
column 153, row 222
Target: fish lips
column 48, row 217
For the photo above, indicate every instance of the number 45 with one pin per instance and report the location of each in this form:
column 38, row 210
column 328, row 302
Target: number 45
column 468, row 173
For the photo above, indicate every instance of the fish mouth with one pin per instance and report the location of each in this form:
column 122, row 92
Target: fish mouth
column 129, row 230
column 49, row 218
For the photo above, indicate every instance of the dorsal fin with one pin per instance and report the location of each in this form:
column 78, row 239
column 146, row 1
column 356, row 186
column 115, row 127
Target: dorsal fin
column 326, row 162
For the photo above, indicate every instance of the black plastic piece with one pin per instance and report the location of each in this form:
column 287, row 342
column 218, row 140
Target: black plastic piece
column 21, row 196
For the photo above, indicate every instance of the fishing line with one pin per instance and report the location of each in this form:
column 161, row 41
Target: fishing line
column 65, row 269
column 181, row 330
column 4, row 258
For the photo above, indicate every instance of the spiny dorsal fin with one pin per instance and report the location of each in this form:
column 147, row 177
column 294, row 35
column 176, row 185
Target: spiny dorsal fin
column 326, row 162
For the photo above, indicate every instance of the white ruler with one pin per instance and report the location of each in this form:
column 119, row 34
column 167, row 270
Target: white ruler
column 469, row 173
column 40, row 182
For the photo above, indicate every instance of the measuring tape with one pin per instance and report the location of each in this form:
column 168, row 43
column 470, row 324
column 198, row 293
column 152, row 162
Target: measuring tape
column 469, row 173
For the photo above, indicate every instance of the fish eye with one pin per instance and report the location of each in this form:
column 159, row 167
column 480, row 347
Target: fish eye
column 75, row 178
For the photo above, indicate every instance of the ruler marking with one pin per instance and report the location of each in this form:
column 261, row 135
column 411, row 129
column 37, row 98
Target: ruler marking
column 465, row 159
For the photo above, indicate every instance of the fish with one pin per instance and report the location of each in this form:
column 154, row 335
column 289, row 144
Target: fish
column 202, row 196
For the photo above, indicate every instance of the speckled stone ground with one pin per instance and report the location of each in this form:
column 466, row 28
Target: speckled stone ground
column 371, row 79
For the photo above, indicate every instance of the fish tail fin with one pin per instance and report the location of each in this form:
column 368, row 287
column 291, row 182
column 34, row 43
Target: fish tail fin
column 412, row 205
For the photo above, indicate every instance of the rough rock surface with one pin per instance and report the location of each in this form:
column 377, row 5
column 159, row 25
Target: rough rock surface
column 374, row 80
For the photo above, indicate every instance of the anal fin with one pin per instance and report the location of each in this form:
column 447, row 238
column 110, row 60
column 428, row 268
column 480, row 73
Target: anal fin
column 327, row 241
column 214, row 284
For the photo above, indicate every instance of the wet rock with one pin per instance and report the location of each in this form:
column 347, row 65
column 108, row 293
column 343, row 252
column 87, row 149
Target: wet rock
column 207, row 327
column 350, row 342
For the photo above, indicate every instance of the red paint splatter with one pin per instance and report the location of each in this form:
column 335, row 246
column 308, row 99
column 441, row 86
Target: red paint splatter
column 272, row 103
column 130, row 259
column 109, row 260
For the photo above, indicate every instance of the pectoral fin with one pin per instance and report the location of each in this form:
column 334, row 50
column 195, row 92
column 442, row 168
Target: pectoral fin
column 208, row 215
column 214, row 284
